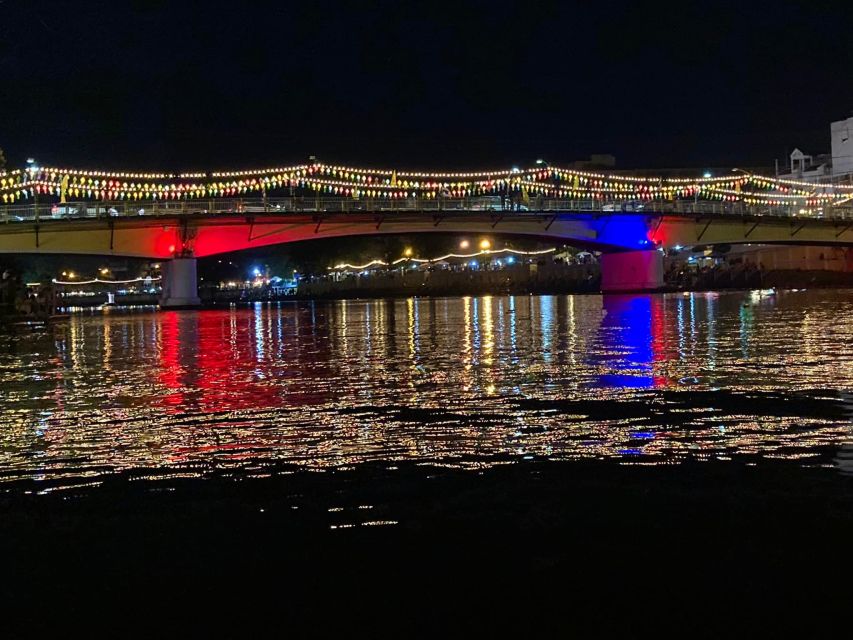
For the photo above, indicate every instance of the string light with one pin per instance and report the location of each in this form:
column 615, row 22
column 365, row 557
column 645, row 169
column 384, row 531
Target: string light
column 372, row 263
column 99, row 281
column 359, row 182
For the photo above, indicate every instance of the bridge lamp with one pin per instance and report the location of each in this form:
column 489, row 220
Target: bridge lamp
column 485, row 244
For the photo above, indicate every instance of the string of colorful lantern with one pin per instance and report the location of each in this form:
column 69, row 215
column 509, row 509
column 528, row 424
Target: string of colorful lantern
column 360, row 182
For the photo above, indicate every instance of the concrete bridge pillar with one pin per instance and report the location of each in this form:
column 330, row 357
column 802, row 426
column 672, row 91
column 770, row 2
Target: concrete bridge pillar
column 180, row 285
column 631, row 271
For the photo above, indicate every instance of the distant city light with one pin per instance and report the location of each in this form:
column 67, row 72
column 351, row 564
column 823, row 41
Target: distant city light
column 510, row 260
column 707, row 174
column 408, row 252
column 485, row 244
column 464, row 244
column 473, row 263
column 256, row 272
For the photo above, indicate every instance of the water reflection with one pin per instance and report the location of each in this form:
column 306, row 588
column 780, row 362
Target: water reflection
column 626, row 339
column 454, row 380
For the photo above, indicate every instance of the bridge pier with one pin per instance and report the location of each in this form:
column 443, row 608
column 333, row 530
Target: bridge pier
column 631, row 271
column 180, row 284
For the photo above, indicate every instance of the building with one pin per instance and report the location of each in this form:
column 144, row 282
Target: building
column 842, row 149
column 836, row 166
column 809, row 168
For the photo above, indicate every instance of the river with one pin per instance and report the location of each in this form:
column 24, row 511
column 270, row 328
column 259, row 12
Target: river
column 468, row 382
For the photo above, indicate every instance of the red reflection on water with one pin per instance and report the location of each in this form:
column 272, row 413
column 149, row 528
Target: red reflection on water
column 658, row 341
column 218, row 361
column 169, row 371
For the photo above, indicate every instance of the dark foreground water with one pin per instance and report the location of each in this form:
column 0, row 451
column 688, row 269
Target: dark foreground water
column 625, row 464
column 457, row 381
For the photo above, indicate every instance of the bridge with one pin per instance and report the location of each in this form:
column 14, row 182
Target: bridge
column 628, row 219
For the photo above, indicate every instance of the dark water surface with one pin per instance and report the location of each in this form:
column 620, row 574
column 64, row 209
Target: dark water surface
column 468, row 382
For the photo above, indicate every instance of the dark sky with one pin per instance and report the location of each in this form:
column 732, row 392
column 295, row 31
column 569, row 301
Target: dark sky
column 183, row 85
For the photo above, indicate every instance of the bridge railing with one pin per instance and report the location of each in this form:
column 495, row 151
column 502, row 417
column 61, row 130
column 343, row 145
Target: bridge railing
column 481, row 204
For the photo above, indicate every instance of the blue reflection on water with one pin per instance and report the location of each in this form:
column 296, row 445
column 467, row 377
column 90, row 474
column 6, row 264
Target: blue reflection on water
column 625, row 341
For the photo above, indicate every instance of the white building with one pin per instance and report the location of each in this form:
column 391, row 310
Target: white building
column 842, row 148
column 834, row 167
column 809, row 168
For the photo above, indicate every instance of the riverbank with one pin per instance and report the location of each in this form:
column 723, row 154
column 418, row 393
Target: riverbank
column 771, row 280
column 410, row 548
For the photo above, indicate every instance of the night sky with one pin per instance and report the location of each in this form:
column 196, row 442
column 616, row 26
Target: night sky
column 158, row 84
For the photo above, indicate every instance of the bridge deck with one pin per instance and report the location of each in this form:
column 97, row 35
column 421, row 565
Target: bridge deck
column 39, row 212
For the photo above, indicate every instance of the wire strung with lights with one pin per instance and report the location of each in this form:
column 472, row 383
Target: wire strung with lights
column 357, row 182
column 483, row 252
column 100, row 281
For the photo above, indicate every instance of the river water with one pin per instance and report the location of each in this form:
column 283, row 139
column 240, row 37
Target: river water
column 468, row 382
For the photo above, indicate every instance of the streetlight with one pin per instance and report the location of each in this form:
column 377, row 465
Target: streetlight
column 408, row 252
column 464, row 244
column 485, row 244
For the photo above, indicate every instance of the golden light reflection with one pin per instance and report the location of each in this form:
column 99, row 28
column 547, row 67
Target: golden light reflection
column 457, row 381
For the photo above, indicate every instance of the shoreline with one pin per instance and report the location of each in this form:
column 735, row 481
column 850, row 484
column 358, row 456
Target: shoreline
column 362, row 295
